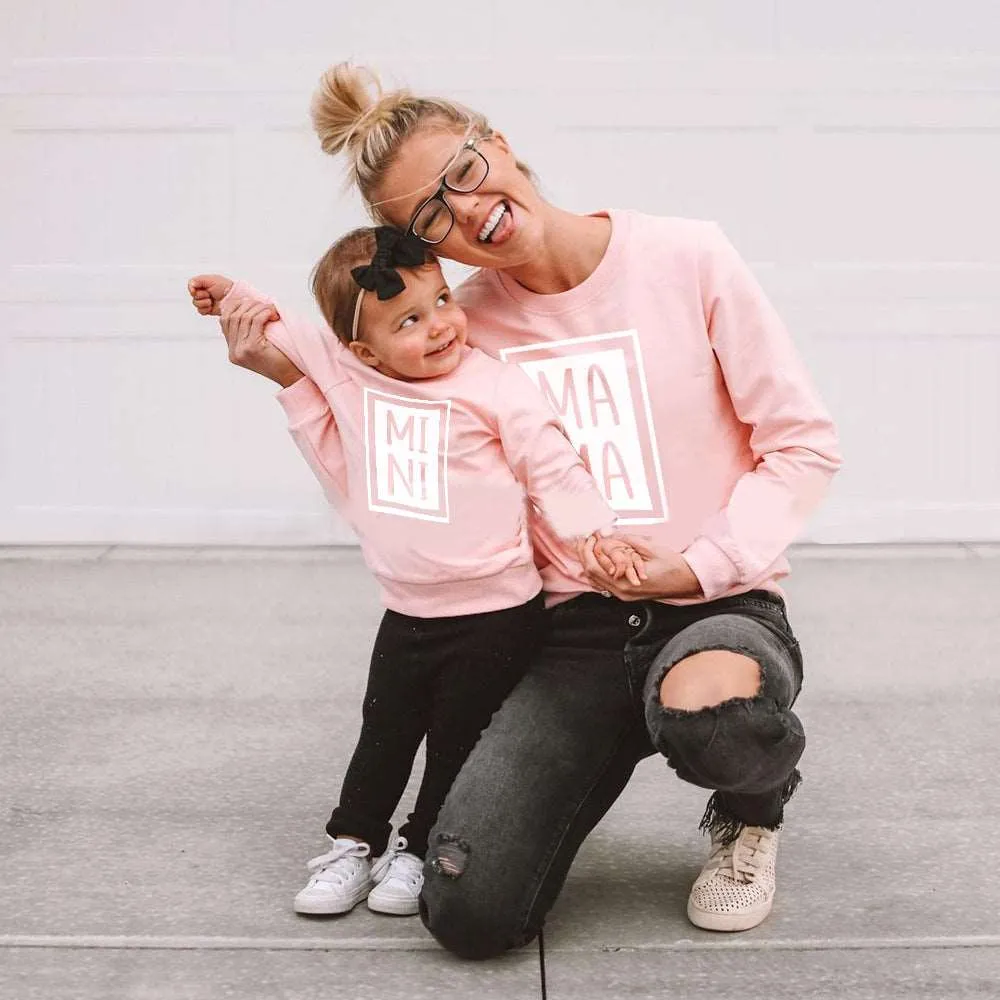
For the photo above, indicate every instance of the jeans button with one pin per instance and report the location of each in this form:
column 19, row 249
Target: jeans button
column 605, row 593
column 634, row 620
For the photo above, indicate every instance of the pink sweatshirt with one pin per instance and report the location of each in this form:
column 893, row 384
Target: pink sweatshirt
column 433, row 475
column 680, row 386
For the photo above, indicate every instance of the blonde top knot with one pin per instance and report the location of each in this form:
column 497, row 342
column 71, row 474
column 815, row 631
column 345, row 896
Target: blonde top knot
column 347, row 104
column 351, row 113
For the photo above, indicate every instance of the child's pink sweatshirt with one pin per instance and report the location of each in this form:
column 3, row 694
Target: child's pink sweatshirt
column 680, row 386
column 433, row 475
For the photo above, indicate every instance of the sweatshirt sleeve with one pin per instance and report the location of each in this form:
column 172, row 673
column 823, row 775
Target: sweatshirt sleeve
column 543, row 460
column 314, row 430
column 312, row 347
column 792, row 436
column 311, row 422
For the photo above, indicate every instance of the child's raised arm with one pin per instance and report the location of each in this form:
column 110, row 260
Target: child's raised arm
column 311, row 423
column 248, row 347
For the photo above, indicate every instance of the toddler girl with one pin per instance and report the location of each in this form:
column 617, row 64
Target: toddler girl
column 439, row 458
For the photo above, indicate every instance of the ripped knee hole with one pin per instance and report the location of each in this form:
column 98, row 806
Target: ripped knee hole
column 450, row 855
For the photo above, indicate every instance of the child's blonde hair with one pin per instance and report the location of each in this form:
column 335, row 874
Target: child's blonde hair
column 334, row 288
column 350, row 112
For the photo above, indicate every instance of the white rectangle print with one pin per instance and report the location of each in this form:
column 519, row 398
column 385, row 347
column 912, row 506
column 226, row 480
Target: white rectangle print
column 406, row 455
column 597, row 386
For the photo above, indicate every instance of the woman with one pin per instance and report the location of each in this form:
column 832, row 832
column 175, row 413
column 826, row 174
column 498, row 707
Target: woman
column 679, row 385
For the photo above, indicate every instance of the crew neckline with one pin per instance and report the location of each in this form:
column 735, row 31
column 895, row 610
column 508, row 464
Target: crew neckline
column 593, row 285
column 350, row 361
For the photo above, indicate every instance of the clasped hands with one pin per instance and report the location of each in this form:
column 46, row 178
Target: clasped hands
column 630, row 569
column 243, row 327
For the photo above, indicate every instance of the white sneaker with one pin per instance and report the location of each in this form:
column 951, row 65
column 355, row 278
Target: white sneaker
column 399, row 877
column 735, row 890
column 341, row 879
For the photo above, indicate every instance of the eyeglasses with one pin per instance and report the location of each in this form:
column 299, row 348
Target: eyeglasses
column 433, row 219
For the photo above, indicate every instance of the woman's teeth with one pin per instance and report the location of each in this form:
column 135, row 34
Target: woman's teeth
column 492, row 222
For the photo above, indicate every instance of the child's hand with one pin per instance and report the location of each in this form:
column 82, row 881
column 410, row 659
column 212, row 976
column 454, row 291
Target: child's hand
column 207, row 291
column 619, row 559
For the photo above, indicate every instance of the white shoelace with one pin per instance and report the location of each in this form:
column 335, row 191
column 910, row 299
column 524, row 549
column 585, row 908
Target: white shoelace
column 744, row 858
column 397, row 864
column 324, row 867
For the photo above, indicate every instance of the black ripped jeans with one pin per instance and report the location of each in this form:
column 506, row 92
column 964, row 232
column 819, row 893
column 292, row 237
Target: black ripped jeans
column 442, row 678
column 566, row 741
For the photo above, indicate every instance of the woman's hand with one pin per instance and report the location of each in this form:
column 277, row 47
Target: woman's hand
column 667, row 574
column 243, row 327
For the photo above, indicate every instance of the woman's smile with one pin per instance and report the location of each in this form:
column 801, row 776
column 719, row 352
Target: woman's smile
column 498, row 225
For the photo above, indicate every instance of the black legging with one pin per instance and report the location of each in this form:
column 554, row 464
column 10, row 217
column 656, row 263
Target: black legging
column 442, row 678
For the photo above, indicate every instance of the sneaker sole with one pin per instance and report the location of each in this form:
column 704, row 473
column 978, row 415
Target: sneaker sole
column 318, row 908
column 744, row 921
column 394, row 907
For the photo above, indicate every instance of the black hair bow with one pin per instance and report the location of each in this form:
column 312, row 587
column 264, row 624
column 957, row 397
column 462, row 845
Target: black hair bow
column 393, row 248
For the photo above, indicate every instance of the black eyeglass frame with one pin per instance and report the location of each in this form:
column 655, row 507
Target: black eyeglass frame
column 445, row 186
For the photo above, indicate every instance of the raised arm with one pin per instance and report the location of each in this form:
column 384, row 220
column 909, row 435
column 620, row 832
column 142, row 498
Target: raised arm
column 255, row 353
column 314, row 430
column 248, row 317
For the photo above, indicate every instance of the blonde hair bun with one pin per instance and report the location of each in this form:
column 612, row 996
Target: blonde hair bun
column 347, row 104
column 352, row 114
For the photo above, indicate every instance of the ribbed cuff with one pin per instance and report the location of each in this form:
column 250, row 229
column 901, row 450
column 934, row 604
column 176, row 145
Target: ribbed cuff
column 241, row 290
column 716, row 572
column 578, row 515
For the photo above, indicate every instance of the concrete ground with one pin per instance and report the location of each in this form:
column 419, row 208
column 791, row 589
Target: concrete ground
column 174, row 725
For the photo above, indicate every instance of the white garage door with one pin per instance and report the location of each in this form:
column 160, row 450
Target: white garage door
column 851, row 150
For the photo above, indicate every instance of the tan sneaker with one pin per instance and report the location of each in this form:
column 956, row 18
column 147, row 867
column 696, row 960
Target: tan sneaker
column 735, row 890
